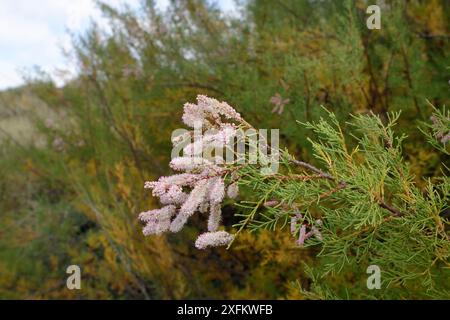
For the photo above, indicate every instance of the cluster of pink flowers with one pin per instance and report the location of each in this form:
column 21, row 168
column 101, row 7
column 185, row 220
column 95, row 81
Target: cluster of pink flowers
column 303, row 234
column 278, row 103
column 440, row 127
column 200, row 185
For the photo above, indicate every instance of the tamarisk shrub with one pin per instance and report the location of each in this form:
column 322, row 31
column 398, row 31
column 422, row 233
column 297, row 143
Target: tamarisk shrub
column 363, row 207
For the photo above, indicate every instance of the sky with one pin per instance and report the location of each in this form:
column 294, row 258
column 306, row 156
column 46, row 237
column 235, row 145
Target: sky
column 35, row 33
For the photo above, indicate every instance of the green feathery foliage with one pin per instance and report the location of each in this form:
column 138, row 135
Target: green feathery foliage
column 371, row 210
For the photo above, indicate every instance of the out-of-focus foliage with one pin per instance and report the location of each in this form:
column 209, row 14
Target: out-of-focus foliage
column 74, row 198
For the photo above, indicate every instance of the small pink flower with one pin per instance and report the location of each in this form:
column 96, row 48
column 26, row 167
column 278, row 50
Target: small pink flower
column 158, row 220
column 215, row 216
column 445, row 138
column 278, row 103
column 59, row 144
column 233, row 191
column 294, row 220
column 302, row 236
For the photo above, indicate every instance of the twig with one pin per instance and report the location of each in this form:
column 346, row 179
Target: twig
column 390, row 208
column 342, row 185
column 410, row 81
column 313, row 169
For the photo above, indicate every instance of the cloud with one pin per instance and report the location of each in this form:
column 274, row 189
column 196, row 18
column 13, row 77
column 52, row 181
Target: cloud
column 8, row 75
column 30, row 34
column 34, row 33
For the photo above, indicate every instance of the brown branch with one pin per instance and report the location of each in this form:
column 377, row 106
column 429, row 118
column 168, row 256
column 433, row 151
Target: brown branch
column 386, row 83
column 192, row 85
column 313, row 169
column 341, row 185
column 107, row 112
column 410, row 82
column 432, row 36
column 390, row 208
column 308, row 97
column 299, row 177
column 373, row 85
column 289, row 10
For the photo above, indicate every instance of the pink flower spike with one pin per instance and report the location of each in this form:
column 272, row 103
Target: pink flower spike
column 213, row 239
column 293, row 225
column 302, row 236
column 317, row 233
column 215, row 216
column 192, row 203
column 217, row 190
column 158, row 221
column 298, row 216
column 233, row 190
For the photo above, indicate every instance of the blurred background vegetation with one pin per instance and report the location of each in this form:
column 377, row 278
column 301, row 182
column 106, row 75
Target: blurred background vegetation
column 73, row 159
